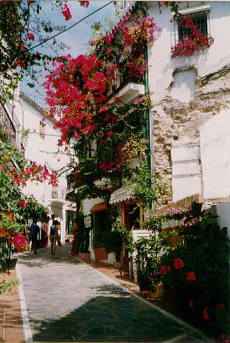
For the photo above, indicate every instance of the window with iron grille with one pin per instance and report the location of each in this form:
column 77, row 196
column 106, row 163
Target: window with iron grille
column 200, row 19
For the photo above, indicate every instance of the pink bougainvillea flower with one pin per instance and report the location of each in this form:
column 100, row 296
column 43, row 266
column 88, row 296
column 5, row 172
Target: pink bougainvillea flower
column 178, row 263
column 18, row 241
column 30, row 36
column 66, row 12
column 84, row 3
column 191, row 276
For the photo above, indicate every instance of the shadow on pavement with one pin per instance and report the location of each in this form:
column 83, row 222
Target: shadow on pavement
column 112, row 319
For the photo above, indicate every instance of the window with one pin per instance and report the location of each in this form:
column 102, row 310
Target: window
column 42, row 127
column 200, row 19
column 192, row 31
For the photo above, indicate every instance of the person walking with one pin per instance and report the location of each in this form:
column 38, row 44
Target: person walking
column 33, row 237
column 54, row 235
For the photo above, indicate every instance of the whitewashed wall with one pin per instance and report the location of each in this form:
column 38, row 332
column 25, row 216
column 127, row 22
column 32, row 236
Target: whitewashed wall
column 178, row 79
column 215, row 156
column 186, row 178
column 162, row 66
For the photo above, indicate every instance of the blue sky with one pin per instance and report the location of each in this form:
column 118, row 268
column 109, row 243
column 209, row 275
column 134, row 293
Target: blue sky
column 76, row 38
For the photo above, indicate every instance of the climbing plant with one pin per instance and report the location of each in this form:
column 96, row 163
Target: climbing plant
column 24, row 30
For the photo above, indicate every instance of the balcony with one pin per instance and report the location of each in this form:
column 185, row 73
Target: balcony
column 58, row 194
column 126, row 88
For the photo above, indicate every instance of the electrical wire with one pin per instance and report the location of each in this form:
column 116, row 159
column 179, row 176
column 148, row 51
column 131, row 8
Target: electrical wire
column 70, row 27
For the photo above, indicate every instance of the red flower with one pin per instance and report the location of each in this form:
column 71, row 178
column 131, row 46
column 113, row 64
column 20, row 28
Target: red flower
column 22, row 203
column 191, row 276
column 205, row 314
column 178, row 263
column 110, row 133
column 116, row 99
column 163, row 270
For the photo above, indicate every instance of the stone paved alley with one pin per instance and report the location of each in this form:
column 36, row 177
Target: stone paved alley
column 64, row 300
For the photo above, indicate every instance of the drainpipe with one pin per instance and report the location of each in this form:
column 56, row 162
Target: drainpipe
column 147, row 116
column 147, row 126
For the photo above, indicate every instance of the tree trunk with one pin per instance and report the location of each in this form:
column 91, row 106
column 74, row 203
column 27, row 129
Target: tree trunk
column 75, row 243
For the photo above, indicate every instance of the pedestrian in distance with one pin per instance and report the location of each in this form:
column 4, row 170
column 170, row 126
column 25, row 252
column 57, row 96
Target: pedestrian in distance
column 54, row 235
column 33, row 237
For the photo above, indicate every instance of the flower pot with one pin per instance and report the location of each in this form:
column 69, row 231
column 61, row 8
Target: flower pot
column 12, row 264
column 100, row 253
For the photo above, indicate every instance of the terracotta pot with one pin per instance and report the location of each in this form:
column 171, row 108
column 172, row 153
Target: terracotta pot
column 100, row 253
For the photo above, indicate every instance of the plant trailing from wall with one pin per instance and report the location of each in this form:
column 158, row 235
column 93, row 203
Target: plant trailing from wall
column 23, row 31
column 77, row 93
column 79, row 87
column 150, row 190
column 193, row 40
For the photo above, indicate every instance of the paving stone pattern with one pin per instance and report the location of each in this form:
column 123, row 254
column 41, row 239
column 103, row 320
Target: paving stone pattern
column 68, row 301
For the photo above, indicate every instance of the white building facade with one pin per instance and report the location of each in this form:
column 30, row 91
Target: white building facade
column 190, row 115
column 40, row 141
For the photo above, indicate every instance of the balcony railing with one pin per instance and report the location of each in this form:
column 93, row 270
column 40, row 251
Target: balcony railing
column 58, row 193
column 127, row 88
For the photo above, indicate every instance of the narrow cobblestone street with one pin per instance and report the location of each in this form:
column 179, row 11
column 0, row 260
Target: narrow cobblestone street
column 66, row 300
